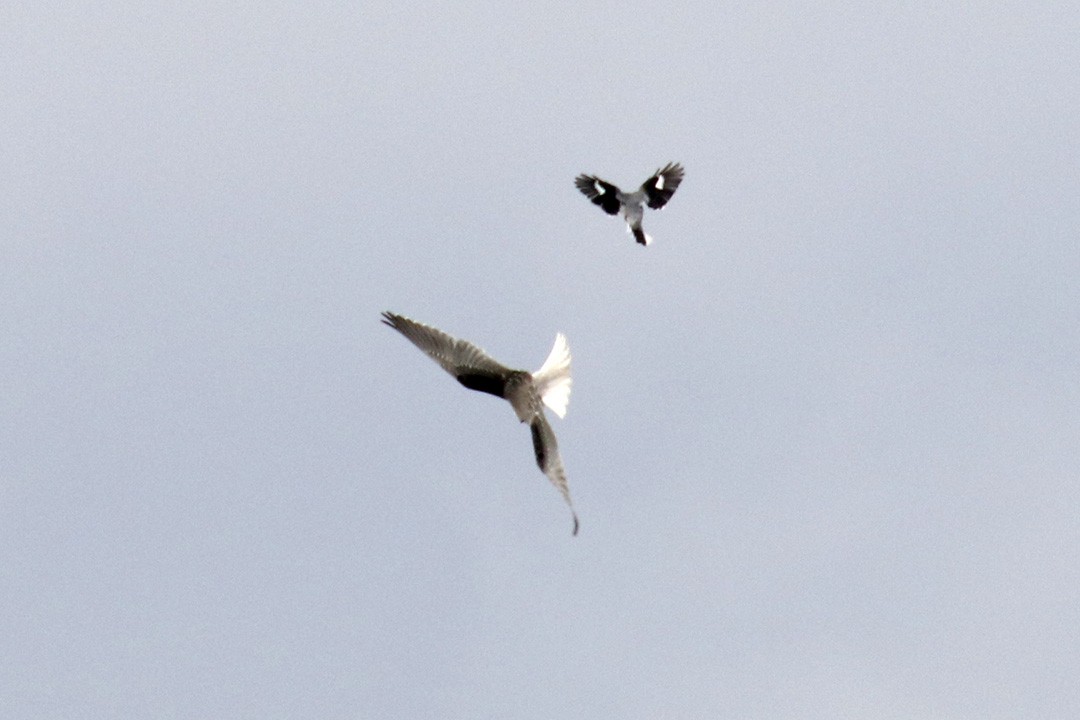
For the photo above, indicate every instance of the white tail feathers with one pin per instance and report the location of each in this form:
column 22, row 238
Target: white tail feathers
column 553, row 378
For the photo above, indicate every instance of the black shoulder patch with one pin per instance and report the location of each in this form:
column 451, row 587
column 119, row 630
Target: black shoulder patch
column 609, row 202
column 491, row 384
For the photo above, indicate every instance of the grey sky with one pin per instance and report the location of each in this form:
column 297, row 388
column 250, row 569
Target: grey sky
column 823, row 439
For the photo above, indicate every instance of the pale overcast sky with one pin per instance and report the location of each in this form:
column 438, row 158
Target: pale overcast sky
column 824, row 437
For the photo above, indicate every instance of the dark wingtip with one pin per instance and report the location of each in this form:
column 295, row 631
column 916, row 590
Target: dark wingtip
column 388, row 318
column 575, row 523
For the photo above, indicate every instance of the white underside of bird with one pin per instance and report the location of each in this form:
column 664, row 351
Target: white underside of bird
column 633, row 212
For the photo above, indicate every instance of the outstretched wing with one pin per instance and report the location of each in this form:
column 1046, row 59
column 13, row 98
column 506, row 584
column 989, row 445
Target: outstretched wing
column 549, row 460
column 662, row 185
column 472, row 367
column 601, row 192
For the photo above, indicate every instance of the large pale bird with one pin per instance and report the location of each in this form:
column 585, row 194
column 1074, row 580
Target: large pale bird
column 655, row 192
column 527, row 392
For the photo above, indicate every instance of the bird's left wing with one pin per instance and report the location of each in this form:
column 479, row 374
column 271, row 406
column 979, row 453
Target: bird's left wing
column 457, row 357
column 601, row 192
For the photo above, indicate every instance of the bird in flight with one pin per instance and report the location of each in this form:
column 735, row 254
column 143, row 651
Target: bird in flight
column 656, row 191
column 526, row 392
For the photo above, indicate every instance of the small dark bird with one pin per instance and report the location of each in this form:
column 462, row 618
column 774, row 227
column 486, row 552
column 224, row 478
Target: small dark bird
column 656, row 191
column 526, row 392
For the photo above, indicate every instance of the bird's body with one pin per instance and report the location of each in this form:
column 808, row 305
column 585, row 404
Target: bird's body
column 654, row 192
column 526, row 392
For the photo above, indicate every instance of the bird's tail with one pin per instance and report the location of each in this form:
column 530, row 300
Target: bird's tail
column 639, row 234
column 553, row 378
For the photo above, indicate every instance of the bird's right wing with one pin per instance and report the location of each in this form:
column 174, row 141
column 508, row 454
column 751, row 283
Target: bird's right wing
column 457, row 357
column 549, row 460
column 601, row 192
column 663, row 184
